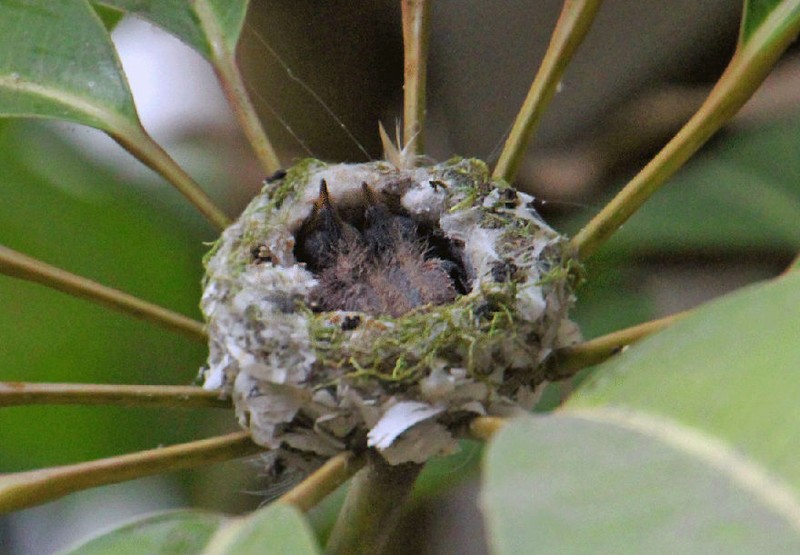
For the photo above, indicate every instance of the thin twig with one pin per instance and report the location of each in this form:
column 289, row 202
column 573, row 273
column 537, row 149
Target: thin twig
column 567, row 361
column 748, row 68
column 573, row 24
column 138, row 142
column 223, row 60
column 416, row 30
column 24, row 393
column 26, row 489
column 372, row 507
column 324, row 481
column 18, row 265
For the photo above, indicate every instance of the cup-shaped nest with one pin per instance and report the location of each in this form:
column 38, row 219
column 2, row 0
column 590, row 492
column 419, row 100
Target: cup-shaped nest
column 359, row 306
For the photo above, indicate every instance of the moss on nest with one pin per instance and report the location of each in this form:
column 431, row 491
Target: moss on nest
column 304, row 381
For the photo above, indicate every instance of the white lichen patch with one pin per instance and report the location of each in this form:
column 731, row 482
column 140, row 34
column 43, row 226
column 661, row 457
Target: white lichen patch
column 309, row 383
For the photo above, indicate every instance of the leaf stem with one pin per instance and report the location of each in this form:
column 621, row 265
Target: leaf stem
column 18, row 265
column 138, row 142
column 416, row 30
column 321, row 483
column 25, row 489
column 567, row 361
column 223, row 60
column 372, row 507
column 747, row 69
column 573, row 24
column 24, row 393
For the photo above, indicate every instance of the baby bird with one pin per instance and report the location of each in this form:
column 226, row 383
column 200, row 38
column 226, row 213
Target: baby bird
column 383, row 269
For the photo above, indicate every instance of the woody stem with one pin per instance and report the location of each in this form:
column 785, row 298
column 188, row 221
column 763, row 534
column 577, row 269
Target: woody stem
column 372, row 507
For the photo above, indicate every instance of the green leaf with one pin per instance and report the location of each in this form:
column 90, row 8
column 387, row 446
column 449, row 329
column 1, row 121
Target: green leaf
column 57, row 61
column 772, row 13
column 198, row 23
column 212, row 27
column 564, row 484
column 279, row 529
column 170, row 533
column 728, row 369
column 686, row 442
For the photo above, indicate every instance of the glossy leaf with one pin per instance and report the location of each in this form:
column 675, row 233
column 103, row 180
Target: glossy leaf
column 279, row 529
column 212, row 27
column 191, row 21
column 57, row 61
column 688, row 439
column 170, row 533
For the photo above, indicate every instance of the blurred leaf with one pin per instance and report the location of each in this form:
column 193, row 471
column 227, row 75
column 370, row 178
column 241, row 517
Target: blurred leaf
column 562, row 484
column 191, row 21
column 728, row 369
column 170, row 533
column 57, row 61
column 279, row 529
column 757, row 12
column 687, row 439
column 741, row 195
column 68, row 212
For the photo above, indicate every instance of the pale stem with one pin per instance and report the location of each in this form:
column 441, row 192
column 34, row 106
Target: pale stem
column 416, row 29
column 223, row 60
column 138, row 142
column 568, row 360
column 175, row 396
column 323, row 481
column 372, row 507
column 749, row 67
column 26, row 489
column 233, row 86
column 573, row 24
column 18, row 265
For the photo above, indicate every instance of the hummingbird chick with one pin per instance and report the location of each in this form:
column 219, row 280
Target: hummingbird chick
column 380, row 265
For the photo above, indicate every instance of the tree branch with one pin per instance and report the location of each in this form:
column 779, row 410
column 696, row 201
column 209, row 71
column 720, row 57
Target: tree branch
column 22, row 393
column 18, row 265
column 26, row 489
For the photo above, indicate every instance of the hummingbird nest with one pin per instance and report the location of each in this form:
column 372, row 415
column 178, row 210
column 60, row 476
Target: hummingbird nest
column 362, row 305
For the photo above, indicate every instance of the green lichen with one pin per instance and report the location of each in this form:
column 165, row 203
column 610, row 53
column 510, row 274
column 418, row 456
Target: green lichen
column 296, row 179
column 404, row 350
